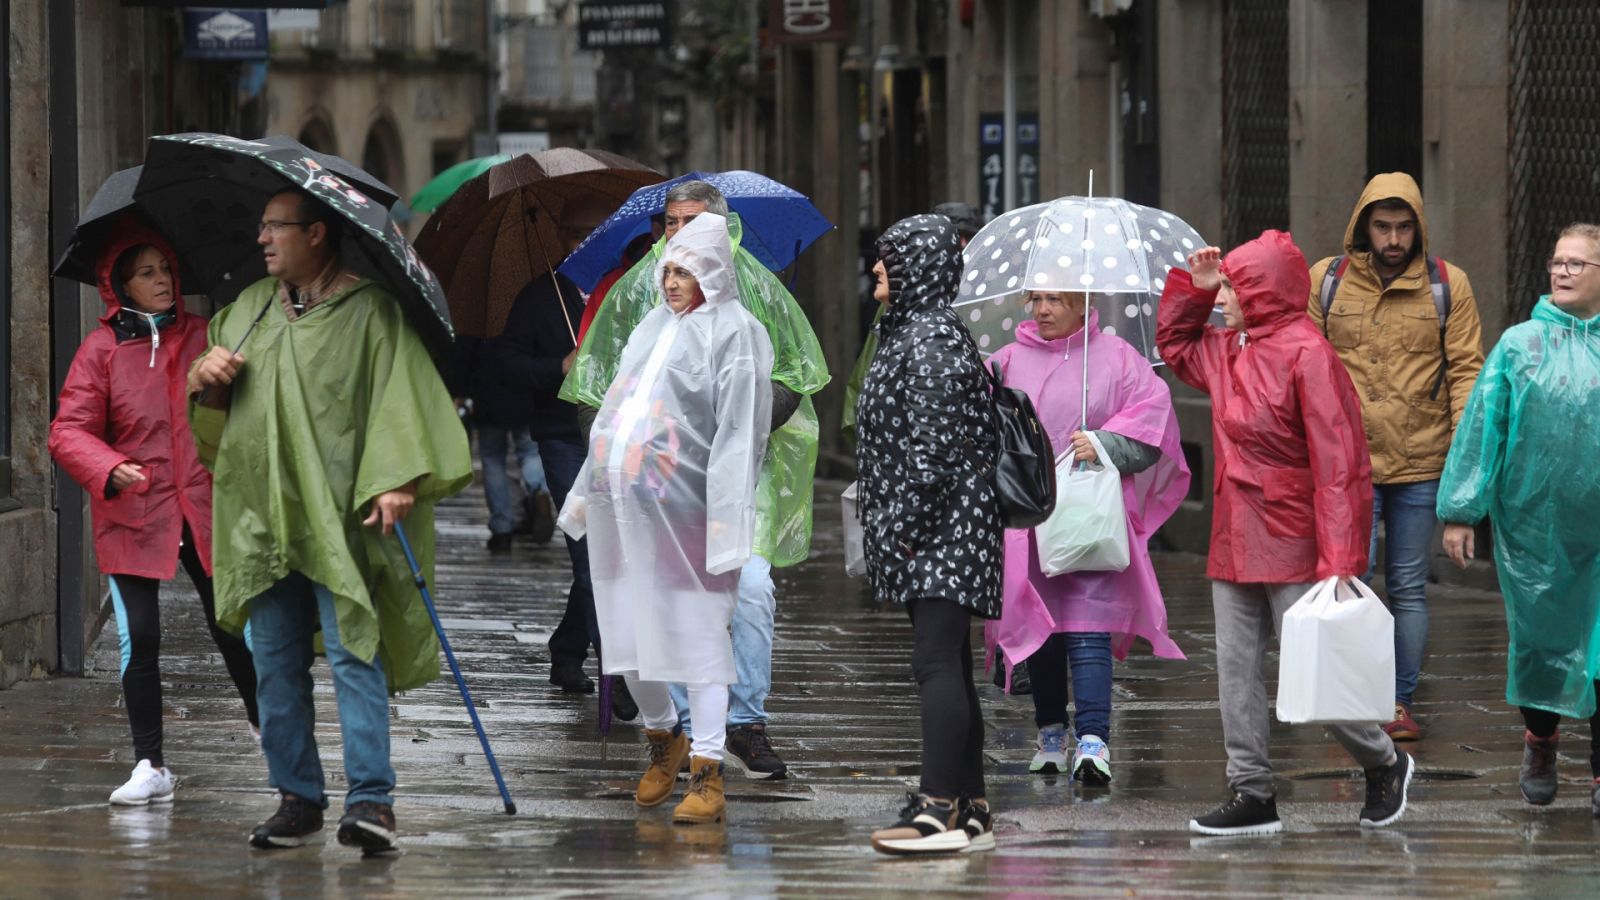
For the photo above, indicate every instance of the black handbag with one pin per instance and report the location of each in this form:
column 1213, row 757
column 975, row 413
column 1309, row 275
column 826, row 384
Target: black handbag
column 1024, row 473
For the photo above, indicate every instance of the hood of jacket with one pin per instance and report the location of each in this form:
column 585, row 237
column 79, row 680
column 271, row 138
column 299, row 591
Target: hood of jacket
column 703, row 247
column 923, row 257
column 1271, row 278
column 1397, row 185
column 130, row 233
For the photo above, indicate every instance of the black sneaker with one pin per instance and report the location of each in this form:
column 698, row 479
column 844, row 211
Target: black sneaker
column 1386, row 791
column 751, row 752
column 1243, row 815
column 622, row 705
column 977, row 822
column 1538, row 776
column 924, row 827
column 570, row 678
column 369, row 826
column 1021, row 681
column 295, row 820
column 500, row 543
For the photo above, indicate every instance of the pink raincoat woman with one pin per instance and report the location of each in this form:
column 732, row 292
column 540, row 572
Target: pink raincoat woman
column 1130, row 410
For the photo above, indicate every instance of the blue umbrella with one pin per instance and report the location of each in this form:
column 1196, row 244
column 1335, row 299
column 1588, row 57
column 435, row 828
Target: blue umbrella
column 779, row 223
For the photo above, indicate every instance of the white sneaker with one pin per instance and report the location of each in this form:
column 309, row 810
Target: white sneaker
column 147, row 784
column 1091, row 764
column 1051, row 757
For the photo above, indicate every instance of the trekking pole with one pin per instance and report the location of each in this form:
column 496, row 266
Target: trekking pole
column 449, row 655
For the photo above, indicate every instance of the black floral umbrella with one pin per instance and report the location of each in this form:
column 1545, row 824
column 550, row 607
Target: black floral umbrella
column 214, row 187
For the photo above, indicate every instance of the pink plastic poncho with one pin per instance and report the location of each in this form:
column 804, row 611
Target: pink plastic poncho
column 1125, row 397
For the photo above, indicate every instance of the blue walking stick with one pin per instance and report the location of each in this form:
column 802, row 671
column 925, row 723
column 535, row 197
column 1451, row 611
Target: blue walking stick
column 449, row 655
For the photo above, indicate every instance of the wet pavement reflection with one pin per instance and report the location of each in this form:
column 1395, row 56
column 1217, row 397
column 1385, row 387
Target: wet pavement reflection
column 844, row 717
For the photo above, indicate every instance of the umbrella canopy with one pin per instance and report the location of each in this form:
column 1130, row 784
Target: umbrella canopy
column 1117, row 252
column 214, row 188
column 779, row 223
column 450, row 180
column 499, row 231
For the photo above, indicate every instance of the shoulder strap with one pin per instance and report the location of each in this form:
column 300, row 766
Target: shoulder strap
column 1439, row 286
column 1330, row 287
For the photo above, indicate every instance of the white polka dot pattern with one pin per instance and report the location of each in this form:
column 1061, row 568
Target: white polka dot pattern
column 1118, row 252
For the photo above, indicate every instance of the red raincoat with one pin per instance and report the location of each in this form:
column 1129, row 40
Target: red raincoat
column 1293, row 485
column 123, row 403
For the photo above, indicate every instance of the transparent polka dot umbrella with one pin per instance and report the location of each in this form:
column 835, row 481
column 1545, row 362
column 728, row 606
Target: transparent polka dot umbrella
column 1117, row 252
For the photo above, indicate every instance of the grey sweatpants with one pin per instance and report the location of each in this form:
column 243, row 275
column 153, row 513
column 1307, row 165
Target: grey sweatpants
column 1243, row 635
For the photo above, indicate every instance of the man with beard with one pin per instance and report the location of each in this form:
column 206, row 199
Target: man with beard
column 1405, row 325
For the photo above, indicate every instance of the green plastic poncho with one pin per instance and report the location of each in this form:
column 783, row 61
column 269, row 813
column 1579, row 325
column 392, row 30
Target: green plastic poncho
column 783, row 497
column 858, row 377
column 1524, row 456
column 328, row 412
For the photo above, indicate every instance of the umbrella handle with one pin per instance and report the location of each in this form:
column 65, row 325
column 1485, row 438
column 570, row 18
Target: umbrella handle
column 533, row 222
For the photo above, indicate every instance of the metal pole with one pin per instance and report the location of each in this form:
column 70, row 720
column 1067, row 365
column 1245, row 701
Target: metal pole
column 1009, row 86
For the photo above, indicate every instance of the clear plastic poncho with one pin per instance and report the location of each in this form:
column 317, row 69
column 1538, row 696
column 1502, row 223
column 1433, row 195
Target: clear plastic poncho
column 783, row 507
column 667, row 495
column 1524, row 456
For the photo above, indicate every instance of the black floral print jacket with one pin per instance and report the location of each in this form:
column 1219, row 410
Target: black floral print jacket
column 926, row 431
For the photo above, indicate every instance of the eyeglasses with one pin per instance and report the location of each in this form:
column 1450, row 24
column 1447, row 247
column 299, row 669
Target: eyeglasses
column 1573, row 267
column 275, row 226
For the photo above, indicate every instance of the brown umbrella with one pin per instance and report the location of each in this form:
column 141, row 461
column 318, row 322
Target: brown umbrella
column 500, row 230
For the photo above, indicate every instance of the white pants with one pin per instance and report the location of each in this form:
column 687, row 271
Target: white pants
column 708, row 704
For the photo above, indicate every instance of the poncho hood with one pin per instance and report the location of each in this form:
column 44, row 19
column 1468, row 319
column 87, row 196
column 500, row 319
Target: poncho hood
column 1546, row 310
column 923, row 256
column 704, row 248
column 1028, row 335
column 1272, row 280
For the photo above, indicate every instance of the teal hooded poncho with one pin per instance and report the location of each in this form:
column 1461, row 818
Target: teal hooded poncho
column 1524, row 455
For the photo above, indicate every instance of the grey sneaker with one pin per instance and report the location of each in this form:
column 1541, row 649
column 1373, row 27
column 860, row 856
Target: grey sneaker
column 1538, row 776
column 1051, row 757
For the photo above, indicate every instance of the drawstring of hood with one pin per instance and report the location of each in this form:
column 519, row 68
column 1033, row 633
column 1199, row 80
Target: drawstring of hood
column 135, row 323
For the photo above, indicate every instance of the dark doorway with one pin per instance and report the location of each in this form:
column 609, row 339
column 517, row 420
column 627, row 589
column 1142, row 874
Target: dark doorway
column 1394, row 87
column 1137, row 55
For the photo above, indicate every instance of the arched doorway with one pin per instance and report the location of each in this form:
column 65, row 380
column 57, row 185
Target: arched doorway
column 318, row 135
column 381, row 154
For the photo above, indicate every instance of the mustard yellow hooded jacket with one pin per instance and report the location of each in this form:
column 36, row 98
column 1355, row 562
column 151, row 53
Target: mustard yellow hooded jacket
column 1388, row 340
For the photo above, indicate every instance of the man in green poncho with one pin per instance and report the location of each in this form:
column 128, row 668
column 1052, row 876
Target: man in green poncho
column 332, row 404
column 783, row 496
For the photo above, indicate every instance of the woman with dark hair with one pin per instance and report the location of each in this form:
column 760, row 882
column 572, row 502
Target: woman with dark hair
column 926, row 429
column 122, row 432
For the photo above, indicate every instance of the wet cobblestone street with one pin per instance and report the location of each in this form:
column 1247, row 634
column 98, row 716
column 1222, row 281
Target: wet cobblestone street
column 844, row 717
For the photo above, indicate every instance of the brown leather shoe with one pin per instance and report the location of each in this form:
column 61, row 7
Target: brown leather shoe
column 703, row 802
column 1402, row 727
column 668, row 753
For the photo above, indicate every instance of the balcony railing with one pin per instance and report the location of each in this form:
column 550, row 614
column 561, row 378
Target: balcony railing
column 460, row 26
column 392, row 31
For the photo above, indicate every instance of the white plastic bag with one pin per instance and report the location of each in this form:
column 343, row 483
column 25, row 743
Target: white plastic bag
column 1088, row 531
column 855, row 553
column 1337, row 657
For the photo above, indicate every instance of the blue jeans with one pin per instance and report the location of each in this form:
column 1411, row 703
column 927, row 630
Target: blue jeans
column 283, row 620
column 493, row 444
column 1407, row 513
column 1089, row 654
column 752, row 649
column 579, row 629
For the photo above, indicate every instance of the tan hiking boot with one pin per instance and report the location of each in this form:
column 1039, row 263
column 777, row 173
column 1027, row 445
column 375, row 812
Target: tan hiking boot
column 703, row 802
column 668, row 752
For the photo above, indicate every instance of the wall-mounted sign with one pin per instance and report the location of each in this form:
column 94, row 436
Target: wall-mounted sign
column 807, row 21
column 615, row 24
column 211, row 32
column 992, row 162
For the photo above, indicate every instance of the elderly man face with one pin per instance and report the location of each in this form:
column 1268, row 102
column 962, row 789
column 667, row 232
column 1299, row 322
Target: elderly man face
column 681, row 213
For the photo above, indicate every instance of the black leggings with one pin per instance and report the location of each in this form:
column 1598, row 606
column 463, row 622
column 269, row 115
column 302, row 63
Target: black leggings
column 952, row 722
column 138, row 607
column 1542, row 723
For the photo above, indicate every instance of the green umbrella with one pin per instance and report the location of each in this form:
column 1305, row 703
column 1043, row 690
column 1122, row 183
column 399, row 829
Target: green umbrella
column 445, row 183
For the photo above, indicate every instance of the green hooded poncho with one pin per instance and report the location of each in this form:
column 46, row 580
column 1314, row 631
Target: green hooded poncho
column 858, row 377
column 1524, row 456
column 783, row 497
column 328, row 412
